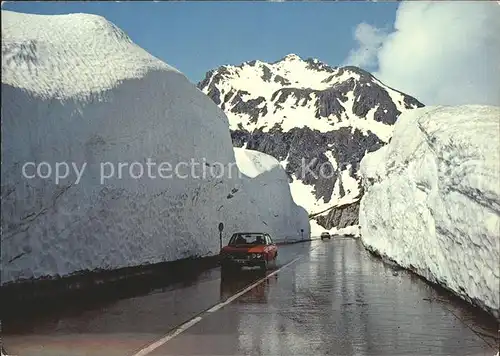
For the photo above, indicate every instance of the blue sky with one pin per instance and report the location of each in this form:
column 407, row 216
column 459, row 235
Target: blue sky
column 195, row 37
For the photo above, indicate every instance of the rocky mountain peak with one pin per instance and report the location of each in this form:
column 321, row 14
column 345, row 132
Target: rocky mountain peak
column 296, row 109
column 292, row 57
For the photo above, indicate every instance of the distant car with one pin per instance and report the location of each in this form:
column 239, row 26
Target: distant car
column 248, row 249
column 325, row 235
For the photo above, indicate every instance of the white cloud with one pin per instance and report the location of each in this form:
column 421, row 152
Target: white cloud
column 440, row 52
column 370, row 39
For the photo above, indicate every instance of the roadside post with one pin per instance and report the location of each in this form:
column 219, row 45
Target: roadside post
column 302, row 233
column 221, row 228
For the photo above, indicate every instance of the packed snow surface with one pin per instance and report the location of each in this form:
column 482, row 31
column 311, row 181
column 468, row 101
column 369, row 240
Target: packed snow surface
column 75, row 89
column 69, row 61
column 253, row 163
column 432, row 199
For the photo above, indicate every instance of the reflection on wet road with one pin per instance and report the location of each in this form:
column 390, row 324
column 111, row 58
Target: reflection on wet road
column 335, row 300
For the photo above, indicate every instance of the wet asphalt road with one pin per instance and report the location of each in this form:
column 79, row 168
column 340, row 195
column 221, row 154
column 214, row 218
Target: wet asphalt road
column 335, row 299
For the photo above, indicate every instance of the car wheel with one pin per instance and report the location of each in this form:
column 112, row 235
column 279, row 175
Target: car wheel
column 272, row 264
column 264, row 266
column 224, row 271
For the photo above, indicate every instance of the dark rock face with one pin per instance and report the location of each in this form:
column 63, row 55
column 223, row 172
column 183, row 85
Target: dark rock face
column 367, row 96
column 299, row 94
column 206, row 81
column 266, row 76
column 319, row 66
column 250, row 107
column 328, row 100
column 212, row 79
column 281, row 80
column 306, row 152
column 411, row 102
column 340, row 217
column 214, row 94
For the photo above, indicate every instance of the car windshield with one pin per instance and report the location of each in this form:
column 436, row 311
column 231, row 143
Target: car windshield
column 247, row 239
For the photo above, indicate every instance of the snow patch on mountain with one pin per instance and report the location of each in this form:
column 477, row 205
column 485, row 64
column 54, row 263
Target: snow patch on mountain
column 432, row 199
column 75, row 89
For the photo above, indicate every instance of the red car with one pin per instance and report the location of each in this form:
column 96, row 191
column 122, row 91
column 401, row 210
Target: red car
column 248, row 249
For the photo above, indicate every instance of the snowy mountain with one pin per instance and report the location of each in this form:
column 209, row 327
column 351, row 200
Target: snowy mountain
column 308, row 115
column 432, row 199
column 76, row 90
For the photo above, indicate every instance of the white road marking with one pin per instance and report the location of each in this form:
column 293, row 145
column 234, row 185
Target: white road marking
column 250, row 287
column 147, row 350
column 168, row 337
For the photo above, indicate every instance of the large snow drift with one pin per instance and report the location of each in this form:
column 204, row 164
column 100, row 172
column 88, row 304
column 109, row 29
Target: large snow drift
column 268, row 182
column 75, row 89
column 432, row 199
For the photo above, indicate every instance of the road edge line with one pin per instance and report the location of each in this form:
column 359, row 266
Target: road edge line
column 195, row 320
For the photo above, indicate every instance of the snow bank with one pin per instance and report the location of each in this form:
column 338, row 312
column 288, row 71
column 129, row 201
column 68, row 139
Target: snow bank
column 432, row 199
column 254, row 163
column 265, row 178
column 75, row 89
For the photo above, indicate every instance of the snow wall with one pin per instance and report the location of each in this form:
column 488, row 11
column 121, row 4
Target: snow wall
column 432, row 199
column 77, row 90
